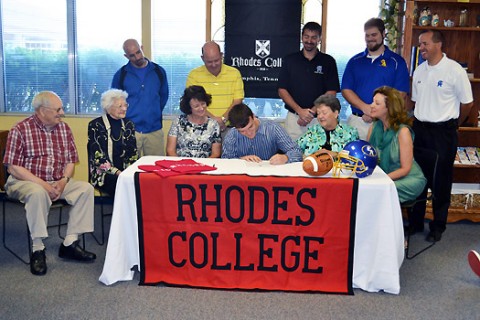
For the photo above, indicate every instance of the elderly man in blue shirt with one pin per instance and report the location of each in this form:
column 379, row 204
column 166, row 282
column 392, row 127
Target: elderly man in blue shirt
column 257, row 140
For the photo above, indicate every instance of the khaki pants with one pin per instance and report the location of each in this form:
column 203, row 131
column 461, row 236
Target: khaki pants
column 295, row 130
column 78, row 194
column 361, row 126
column 150, row 144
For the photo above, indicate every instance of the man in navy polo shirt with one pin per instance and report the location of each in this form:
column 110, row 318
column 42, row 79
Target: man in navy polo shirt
column 368, row 70
column 306, row 75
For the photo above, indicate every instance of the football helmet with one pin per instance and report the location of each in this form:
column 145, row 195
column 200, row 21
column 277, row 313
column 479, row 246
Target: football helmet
column 358, row 157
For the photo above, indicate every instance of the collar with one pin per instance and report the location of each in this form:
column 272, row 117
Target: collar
column 316, row 55
column 262, row 129
column 148, row 66
column 444, row 56
column 222, row 71
column 106, row 121
column 386, row 53
column 41, row 125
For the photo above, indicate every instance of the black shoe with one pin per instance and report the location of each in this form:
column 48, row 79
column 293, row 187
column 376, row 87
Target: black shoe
column 75, row 252
column 434, row 236
column 38, row 263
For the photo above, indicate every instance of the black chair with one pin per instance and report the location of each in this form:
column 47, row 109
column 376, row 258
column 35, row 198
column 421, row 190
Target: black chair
column 425, row 158
column 104, row 199
column 59, row 204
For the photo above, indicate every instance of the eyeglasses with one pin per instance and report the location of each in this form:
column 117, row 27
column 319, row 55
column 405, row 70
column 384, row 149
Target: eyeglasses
column 123, row 105
column 54, row 110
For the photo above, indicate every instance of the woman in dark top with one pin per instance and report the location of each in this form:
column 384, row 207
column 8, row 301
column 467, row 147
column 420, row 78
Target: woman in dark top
column 111, row 142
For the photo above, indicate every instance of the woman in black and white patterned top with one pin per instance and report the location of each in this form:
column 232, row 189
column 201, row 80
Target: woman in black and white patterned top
column 193, row 134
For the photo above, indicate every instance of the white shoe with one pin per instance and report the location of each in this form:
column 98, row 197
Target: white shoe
column 474, row 260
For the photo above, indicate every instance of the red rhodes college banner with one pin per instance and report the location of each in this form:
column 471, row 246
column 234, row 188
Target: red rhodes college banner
column 241, row 232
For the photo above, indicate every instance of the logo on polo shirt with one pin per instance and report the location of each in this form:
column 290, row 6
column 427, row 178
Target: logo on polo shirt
column 319, row 70
column 383, row 63
column 262, row 48
column 440, row 83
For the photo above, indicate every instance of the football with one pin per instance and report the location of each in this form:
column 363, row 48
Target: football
column 318, row 163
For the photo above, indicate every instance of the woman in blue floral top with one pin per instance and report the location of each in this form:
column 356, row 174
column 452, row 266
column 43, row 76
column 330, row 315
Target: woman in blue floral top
column 112, row 146
column 329, row 134
column 194, row 134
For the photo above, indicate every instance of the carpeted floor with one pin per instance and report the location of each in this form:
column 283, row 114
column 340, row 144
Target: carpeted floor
column 438, row 284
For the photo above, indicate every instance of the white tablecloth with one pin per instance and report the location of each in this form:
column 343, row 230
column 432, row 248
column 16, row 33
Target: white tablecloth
column 379, row 246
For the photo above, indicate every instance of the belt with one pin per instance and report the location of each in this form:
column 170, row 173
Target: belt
column 452, row 123
column 358, row 114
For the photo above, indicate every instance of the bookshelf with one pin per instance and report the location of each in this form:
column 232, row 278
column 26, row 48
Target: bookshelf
column 462, row 43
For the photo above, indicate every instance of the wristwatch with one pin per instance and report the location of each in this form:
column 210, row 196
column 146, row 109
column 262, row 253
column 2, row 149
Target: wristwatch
column 68, row 178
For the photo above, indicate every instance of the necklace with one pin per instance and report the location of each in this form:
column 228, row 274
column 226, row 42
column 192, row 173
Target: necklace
column 197, row 121
column 119, row 136
column 118, row 123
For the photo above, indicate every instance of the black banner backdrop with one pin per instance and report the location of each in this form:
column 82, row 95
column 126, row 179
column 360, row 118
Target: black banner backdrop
column 258, row 34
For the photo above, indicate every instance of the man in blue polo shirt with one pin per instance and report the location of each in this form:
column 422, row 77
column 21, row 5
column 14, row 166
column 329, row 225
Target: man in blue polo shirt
column 306, row 75
column 368, row 70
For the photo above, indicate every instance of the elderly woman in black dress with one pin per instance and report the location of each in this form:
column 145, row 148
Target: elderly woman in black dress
column 111, row 142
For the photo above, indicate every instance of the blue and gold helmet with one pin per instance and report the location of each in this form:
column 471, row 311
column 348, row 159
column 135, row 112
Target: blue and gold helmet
column 358, row 157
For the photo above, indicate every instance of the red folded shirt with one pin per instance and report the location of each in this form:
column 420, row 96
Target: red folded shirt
column 162, row 172
column 167, row 168
column 184, row 166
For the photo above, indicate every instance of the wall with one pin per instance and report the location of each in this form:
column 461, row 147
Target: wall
column 79, row 127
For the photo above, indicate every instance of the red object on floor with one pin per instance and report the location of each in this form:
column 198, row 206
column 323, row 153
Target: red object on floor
column 474, row 260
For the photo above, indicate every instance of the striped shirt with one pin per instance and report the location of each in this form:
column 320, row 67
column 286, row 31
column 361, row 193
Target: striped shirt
column 224, row 88
column 268, row 141
column 43, row 152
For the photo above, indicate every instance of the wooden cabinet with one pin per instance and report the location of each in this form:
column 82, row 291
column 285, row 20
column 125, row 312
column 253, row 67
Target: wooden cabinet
column 464, row 206
column 462, row 173
column 462, row 43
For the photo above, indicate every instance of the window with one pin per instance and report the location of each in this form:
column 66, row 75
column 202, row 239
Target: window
column 100, row 36
column 44, row 49
column 177, row 40
column 342, row 44
column 74, row 50
column 35, row 50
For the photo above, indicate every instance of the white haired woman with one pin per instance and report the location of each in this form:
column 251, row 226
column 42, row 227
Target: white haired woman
column 111, row 144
